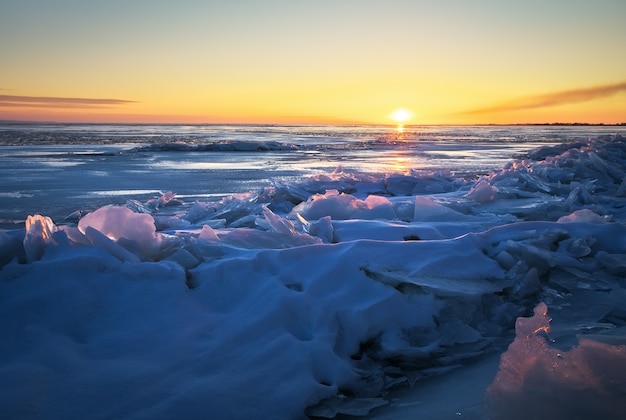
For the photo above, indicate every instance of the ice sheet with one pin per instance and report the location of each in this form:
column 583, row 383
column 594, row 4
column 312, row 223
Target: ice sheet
column 318, row 295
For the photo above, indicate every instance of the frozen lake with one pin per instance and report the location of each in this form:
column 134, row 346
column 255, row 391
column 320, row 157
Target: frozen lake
column 68, row 168
column 312, row 272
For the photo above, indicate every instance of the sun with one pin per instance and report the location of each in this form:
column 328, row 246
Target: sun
column 401, row 115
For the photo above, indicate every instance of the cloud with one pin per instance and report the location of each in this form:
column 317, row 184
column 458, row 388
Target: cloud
column 14, row 101
column 555, row 98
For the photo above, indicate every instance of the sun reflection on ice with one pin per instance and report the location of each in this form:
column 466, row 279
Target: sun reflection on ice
column 401, row 164
column 401, row 116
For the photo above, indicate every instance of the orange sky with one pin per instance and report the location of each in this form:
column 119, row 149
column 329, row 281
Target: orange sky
column 350, row 61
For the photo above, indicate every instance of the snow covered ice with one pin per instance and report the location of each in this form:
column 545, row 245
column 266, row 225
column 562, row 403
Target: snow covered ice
column 323, row 294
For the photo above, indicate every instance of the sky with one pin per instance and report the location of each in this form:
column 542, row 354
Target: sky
column 323, row 61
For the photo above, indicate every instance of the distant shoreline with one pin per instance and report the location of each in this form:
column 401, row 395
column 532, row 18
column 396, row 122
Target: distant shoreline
column 554, row 124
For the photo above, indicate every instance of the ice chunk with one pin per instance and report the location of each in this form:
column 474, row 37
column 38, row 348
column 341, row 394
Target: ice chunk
column 505, row 260
column 198, row 211
column 440, row 286
column 602, row 166
column 249, row 221
column 99, row 239
column 277, row 223
column 235, row 207
column 183, row 258
column 323, row 229
column 537, row 380
column 134, row 231
column 39, row 230
column 137, row 207
column 529, row 327
column 613, row 263
column 427, row 209
column 583, row 216
column 400, row 185
column 255, row 239
column 580, row 247
column 340, row 206
column 169, row 222
column 207, row 233
column 166, row 199
column 482, row 192
column 376, row 207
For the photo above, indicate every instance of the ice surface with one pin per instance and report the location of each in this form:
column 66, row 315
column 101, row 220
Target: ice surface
column 321, row 295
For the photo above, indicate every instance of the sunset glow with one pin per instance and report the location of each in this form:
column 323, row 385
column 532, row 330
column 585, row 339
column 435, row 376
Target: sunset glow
column 401, row 115
column 324, row 62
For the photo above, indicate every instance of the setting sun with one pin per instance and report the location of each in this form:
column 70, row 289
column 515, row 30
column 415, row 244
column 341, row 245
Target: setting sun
column 401, row 115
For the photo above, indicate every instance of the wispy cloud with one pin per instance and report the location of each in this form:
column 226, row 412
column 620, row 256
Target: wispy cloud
column 14, row 101
column 554, row 99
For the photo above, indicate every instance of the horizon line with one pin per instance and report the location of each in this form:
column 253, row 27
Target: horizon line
column 556, row 123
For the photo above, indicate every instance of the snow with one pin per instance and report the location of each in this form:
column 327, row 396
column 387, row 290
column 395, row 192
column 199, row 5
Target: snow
column 325, row 295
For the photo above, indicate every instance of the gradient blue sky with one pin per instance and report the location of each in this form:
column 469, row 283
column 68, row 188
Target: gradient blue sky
column 325, row 61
